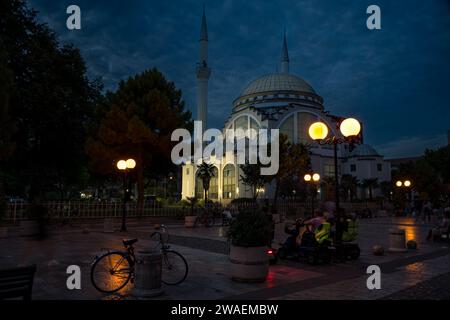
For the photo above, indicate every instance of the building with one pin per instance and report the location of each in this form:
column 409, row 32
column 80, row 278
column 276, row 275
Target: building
column 281, row 101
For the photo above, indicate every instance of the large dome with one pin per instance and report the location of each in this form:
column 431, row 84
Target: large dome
column 277, row 82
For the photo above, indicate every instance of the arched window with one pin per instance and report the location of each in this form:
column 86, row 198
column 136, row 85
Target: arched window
column 199, row 193
column 245, row 123
column 229, row 182
column 241, row 123
column 287, row 128
column 213, row 192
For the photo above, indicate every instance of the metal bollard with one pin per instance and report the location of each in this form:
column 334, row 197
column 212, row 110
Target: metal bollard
column 147, row 282
column 397, row 240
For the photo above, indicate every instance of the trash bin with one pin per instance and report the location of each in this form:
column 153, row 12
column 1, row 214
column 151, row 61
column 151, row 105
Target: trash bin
column 397, row 240
column 147, row 282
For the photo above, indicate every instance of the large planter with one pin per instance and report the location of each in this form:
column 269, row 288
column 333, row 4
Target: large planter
column 397, row 240
column 28, row 228
column 249, row 264
column 189, row 221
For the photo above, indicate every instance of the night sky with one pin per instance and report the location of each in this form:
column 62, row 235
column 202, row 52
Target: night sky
column 396, row 80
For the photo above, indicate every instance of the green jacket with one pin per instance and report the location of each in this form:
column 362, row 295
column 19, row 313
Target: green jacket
column 322, row 233
column 352, row 231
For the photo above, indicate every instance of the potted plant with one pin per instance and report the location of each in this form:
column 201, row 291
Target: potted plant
column 249, row 235
column 190, row 217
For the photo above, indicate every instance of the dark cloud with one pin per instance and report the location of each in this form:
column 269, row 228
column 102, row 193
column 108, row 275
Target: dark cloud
column 395, row 80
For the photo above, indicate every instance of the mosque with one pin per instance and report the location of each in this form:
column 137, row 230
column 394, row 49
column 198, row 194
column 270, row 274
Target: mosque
column 281, row 101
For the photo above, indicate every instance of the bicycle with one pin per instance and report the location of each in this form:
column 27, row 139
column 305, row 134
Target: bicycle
column 113, row 270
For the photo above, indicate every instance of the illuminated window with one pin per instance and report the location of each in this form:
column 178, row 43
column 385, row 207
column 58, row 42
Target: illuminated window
column 229, row 182
column 328, row 170
column 213, row 192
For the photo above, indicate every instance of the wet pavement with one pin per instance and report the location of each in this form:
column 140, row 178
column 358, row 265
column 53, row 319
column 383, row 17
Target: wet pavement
column 404, row 275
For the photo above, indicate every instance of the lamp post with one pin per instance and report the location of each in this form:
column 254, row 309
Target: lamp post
column 312, row 179
column 350, row 129
column 125, row 166
column 405, row 185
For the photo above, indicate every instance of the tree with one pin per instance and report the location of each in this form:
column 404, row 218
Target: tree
column 294, row 160
column 370, row 184
column 386, row 189
column 252, row 178
column 428, row 176
column 439, row 160
column 205, row 172
column 136, row 122
column 50, row 103
column 349, row 186
column 7, row 126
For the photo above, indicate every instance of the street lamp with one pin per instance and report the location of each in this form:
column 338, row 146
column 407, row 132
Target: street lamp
column 125, row 166
column 350, row 129
column 406, row 185
column 312, row 179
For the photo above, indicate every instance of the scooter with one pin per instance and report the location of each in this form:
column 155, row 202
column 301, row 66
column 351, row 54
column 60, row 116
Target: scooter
column 273, row 256
column 309, row 250
column 347, row 251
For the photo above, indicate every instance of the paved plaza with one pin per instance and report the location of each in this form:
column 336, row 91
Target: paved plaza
column 416, row 274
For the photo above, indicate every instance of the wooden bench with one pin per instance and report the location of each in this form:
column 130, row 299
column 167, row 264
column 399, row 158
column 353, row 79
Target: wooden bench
column 17, row 282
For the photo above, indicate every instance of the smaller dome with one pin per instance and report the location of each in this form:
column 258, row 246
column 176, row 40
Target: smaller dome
column 364, row 150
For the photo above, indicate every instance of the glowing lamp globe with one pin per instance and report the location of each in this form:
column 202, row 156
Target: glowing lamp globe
column 316, row 177
column 307, row 177
column 398, row 183
column 131, row 163
column 122, row 165
column 407, row 183
column 350, row 127
column 318, row 131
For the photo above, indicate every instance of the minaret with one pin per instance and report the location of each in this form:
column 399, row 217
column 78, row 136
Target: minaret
column 284, row 56
column 203, row 73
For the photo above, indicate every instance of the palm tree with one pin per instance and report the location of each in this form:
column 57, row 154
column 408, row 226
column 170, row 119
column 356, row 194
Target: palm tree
column 370, row 184
column 349, row 185
column 205, row 172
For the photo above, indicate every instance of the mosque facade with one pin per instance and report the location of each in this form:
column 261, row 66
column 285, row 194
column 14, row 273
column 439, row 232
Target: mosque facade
column 281, row 101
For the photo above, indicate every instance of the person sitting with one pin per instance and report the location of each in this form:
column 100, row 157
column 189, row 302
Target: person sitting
column 314, row 223
column 322, row 233
column 442, row 229
column 227, row 216
column 294, row 234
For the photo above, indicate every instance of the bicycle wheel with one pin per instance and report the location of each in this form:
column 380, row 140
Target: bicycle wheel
column 111, row 272
column 174, row 268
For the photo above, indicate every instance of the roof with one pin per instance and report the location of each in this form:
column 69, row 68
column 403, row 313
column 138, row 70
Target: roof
column 364, row 150
column 277, row 82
